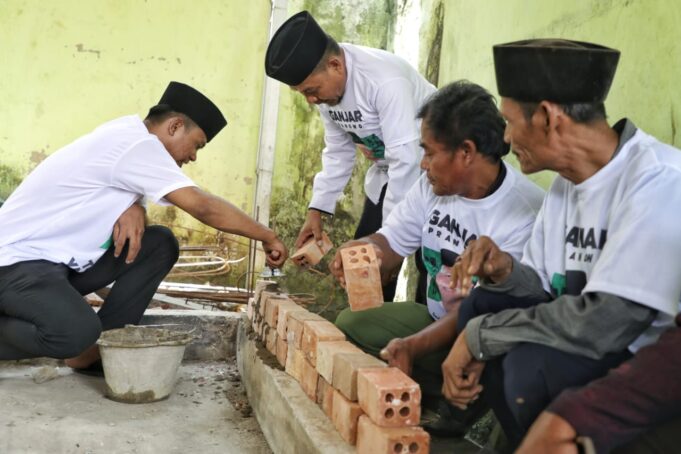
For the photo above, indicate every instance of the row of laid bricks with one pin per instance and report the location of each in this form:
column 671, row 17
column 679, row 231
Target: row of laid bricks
column 375, row 407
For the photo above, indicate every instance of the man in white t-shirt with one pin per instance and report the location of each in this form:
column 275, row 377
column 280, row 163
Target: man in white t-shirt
column 604, row 253
column 466, row 191
column 60, row 238
column 367, row 99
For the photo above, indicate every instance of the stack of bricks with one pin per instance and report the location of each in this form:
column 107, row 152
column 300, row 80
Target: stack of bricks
column 374, row 407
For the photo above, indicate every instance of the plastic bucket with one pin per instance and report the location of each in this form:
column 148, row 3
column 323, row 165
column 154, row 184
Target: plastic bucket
column 140, row 364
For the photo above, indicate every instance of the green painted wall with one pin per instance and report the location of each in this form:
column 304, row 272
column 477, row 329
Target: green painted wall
column 646, row 86
column 69, row 65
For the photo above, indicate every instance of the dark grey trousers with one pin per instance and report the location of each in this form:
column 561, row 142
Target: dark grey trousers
column 42, row 310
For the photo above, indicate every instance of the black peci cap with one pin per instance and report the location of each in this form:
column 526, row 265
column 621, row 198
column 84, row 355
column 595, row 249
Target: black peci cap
column 556, row 70
column 295, row 49
column 184, row 99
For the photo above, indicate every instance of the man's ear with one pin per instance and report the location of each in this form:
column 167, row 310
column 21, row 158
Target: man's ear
column 468, row 149
column 335, row 64
column 552, row 116
column 174, row 125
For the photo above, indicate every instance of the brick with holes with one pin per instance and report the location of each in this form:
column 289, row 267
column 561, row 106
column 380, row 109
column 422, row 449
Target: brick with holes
column 315, row 332
column 362, row 277
column 345, row 415
column 374, row 439
column 345, row 370
column 312, row 252
column 389, row 397
column 327, row 353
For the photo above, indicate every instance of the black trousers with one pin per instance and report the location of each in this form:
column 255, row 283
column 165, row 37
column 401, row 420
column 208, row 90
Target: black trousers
column 518, row 386
column 42, row 310
column 370, row 221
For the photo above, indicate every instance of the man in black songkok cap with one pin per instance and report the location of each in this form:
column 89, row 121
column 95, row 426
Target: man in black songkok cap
column 368, row 99
column 76, row 224
column 588, row 291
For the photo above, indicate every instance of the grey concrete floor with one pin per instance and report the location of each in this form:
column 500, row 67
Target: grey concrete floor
column 208, row 413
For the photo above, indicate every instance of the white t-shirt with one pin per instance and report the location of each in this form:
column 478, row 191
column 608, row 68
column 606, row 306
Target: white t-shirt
column 442, row 225
column 65, row 210
column 618, row 232
column 382, row 96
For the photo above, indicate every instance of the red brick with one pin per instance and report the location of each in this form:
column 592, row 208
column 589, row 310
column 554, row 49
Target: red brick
column 282, row 350
column 308, row 379
column 294, row 363
column 389, row 397
column 326, row 396
column 271, row 340
column 312, row 252
column 262, row 285
column 327, row 351
column 345, row 370
column 373, row 439
column 315, row 332
column 344, row 416
column 250, row 308
column 282, row 319
column 294, row 326
column 321, row 388
column 273, row 306
column 266, row 295
column 362, row 277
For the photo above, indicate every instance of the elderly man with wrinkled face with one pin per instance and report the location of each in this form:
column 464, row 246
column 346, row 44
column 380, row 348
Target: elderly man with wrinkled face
column 600, row 275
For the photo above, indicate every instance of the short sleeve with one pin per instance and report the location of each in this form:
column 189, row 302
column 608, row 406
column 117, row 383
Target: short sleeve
column 403, row 228
column 148, row 169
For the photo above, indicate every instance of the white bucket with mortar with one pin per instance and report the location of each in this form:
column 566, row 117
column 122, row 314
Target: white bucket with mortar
column 140, row 363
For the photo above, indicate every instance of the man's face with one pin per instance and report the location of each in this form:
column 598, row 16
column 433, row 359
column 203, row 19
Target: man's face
column 444, row 167
column 324, row 87
column 184, row 142
column 527, row 138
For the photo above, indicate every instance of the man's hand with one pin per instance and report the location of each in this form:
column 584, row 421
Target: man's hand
column 484, row 259
column 398, row 354
column 276, row 252
column 461, row 374
column 129, row 228
column 549, row 433
column 336, row 265
column 312, row 228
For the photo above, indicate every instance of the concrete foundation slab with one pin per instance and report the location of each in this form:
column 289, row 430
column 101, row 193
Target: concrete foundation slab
column 207, row 413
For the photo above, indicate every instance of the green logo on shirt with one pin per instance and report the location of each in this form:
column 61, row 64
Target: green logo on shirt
column 107, row 244
column 372, row 142
column 432, row 260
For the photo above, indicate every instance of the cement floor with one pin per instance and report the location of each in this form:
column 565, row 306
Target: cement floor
column 208, row 413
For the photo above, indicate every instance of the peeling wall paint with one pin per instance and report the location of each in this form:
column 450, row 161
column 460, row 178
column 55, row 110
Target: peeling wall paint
column 69, row 66
column 645, row 88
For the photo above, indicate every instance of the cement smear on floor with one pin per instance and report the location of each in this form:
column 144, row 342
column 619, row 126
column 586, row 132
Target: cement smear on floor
column 208, row 413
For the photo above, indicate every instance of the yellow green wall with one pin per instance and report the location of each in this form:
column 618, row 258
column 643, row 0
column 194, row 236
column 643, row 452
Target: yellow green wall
column 69, row 65
column 646, row 88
